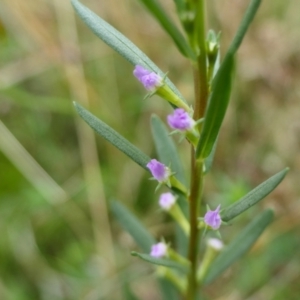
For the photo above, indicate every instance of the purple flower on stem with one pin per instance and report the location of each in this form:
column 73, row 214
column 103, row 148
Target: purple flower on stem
column 167, row 200
column 180, row 120
column 159, row 250
column 149, row 79
column 158, row 170
column 212, row 218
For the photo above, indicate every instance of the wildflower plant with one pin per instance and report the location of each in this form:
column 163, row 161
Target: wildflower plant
column 207, row 257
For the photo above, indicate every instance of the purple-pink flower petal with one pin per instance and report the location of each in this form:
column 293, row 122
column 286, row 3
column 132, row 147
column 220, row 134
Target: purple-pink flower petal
column 213, row 219
column 159, row 250
column 149, row 79
column 167, row 200
column 158, row 170
column 180, row 120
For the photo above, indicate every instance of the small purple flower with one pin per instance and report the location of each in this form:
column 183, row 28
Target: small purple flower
column 212, row 218
column 150, row 80
column 159, row 250
column 158, row 170
column 167, row 200
column 180, row 120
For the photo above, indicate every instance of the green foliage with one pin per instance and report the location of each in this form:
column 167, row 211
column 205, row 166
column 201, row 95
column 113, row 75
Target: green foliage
column 132, row 225
column 119, row 42
column 165, row 148
column 253, row 196
column 239, row 246
column 161, row 261
column 113, row 137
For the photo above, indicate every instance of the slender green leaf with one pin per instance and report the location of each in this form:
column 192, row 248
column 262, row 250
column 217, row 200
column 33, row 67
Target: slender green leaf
column 159, row 13
column 221, row 86
column 210, row 158
column 246, row 21
column 165, row 147
column 216, row 109
column 132, row 225
column 253, row 196
column 161, row 261
column 239, row 246
column 113, row 137
column 119, row 42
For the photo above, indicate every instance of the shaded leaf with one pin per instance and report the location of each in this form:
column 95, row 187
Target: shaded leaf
column 159, row 13
column 253, row 196
column 165, row 147
column 132, row 225
column 165, row 262
column 168, row 290
column 239, row 246
column 119, row 42
column 113, row 137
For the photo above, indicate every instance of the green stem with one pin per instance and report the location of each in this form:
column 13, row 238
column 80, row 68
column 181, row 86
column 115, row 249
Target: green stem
column 202, row 96
column 194, row 199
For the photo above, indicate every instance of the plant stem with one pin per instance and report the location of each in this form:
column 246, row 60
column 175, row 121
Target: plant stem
column 201, row 96
column 194, row 201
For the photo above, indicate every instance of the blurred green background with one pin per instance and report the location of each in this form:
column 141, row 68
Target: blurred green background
column 58, row 241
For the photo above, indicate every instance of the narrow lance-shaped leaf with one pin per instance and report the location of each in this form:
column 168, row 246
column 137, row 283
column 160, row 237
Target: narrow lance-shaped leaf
column 113, row 137
column 216, row 109
column 119, row 42
column 239, row 246
column 161, row 261
column 132, row 225
column 159, row 13
column 166, row 150
column 220, row 95
column 253, row 196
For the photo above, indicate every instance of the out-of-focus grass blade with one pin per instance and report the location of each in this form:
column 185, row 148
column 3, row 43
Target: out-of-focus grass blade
column 216, row 109
column 239, row 246
column 167, row 289
column 159, row 13
column 119, row 42
column 166, row 150
column 160, row 261
column 221, row 86
column 113, row 137
column 253, row 196
column 132, row 225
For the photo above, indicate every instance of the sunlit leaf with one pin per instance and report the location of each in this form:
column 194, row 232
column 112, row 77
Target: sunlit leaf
column 253, row 196
column 113, row 137
column 119, row 42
